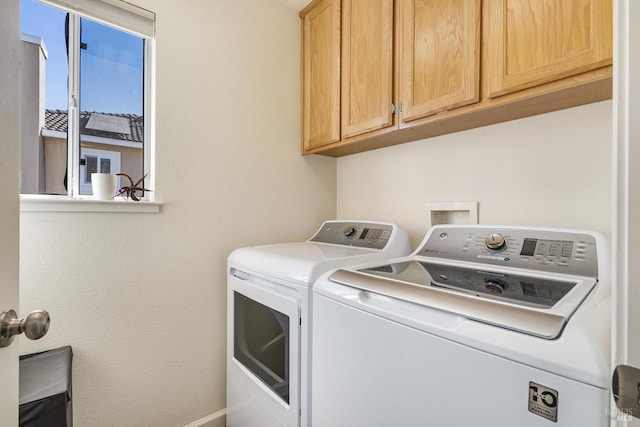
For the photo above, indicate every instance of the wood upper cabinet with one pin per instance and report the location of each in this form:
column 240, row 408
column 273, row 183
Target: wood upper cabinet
column 367, row 66
column 531, row 42
column 447, row 66
column 439, row 55
column 321, row 74
column 348, row 70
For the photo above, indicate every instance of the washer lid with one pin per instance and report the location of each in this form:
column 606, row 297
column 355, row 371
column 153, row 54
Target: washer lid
column 512, row 287
column 301, row 262
column 538, row 305
column 335, row 244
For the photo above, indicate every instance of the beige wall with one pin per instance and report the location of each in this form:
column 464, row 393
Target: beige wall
column 55, row 153
column 141, row 297
column 32, row 180
column 552, row 170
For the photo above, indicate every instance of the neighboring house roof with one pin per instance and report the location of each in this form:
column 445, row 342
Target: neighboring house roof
column 125, row 127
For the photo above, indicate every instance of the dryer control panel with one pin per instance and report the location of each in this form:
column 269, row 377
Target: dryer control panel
column 554, row 251
column 358, row 234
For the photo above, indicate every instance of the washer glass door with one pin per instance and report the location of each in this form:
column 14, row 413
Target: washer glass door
column 263, row 352
column 261, row 343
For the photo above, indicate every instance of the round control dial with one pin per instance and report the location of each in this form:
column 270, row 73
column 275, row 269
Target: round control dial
column 495, row 242
column 494, row 286
column 349, row 231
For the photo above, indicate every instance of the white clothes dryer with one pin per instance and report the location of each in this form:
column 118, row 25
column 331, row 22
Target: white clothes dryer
column 481, row 326
column 269, row 316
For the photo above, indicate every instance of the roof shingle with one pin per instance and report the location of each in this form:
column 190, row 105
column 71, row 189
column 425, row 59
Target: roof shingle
column 56, row 120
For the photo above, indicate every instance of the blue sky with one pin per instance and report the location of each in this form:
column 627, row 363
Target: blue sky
column 111, row 73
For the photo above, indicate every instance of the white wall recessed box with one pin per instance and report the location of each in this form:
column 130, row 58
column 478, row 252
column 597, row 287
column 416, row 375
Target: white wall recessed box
column 452, row 213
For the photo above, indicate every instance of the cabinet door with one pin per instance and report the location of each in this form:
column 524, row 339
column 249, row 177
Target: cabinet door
column 440, row 56
column 530, row 42
column 367, row 66
column 321, row 74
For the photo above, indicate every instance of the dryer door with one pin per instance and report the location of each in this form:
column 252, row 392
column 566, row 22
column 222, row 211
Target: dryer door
column 263, row 348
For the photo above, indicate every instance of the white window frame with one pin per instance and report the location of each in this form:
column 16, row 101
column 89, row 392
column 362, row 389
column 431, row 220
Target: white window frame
column 124, row 17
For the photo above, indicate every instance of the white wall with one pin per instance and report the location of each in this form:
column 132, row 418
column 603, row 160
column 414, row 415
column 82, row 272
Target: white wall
column 141, row 297
column 548, row 170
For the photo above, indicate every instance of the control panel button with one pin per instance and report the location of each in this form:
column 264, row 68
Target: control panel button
column 349, row 230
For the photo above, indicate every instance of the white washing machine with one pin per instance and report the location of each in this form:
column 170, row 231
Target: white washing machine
column 481, row 326
column 268, row 316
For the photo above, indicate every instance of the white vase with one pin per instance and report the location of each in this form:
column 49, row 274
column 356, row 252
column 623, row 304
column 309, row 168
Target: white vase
column 103, row 185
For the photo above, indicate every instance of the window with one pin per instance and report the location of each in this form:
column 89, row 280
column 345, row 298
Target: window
column 87, row 67
column 92, row 160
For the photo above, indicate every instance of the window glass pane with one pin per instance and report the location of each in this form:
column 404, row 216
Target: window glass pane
column 92, row 167
column 43, row 105
column 112, row 97
column 105, row 166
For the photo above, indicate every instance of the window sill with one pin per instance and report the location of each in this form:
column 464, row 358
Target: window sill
column 37, row 203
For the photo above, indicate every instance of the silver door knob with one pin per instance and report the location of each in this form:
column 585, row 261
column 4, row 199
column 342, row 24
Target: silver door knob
column 35, row 326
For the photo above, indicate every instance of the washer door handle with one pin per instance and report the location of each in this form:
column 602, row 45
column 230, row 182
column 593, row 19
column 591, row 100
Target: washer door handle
column 34, row 326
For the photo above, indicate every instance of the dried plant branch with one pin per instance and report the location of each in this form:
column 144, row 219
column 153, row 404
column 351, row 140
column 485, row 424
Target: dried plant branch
column 130, row 190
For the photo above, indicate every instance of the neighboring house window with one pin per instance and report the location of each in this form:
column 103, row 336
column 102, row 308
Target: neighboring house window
column 91, row 161
column 87, row 88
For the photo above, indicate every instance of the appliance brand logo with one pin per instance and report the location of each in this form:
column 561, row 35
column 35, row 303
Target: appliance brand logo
column 543, row 401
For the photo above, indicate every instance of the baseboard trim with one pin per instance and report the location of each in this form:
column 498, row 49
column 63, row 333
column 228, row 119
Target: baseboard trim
column 218, row 417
